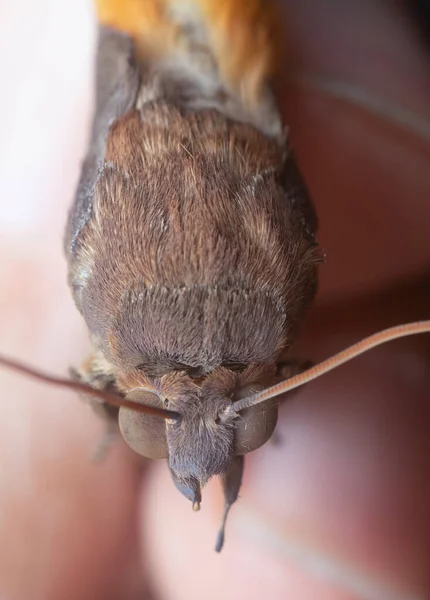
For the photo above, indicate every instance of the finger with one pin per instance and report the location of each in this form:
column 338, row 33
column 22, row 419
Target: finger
column 331, row 512
column 356, row 99
column 67, row 525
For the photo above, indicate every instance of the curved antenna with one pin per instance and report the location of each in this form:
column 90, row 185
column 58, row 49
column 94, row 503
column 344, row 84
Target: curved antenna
column 382, row 337
column 78, row 386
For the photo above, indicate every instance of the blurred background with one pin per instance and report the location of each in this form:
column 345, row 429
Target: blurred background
column 52, row 515
column 46, row 67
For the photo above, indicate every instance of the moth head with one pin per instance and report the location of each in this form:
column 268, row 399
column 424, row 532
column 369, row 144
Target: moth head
column 207, row 433
column 199, row 443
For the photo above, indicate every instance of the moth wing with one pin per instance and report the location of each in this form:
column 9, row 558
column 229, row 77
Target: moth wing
column 298, row 195
column 117, row 85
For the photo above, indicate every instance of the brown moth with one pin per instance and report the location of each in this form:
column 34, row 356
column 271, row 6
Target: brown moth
column 191, row 250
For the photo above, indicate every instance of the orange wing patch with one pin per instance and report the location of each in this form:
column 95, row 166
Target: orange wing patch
column 147, row 21
column 245, row 37
column 242, row 35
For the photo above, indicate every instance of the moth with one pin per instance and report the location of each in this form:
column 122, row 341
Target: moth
column 191, row 244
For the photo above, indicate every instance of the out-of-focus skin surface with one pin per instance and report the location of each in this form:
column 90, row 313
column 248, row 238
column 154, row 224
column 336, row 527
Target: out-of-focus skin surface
column 338, row 510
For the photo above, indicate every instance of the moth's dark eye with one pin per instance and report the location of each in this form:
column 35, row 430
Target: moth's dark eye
column 166, row 402
column 256, row 424
column 255, row 427
column 145, row 434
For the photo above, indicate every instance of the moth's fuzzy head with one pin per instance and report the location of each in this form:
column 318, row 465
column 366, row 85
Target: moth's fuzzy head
column 207, row 434
column 200, row 443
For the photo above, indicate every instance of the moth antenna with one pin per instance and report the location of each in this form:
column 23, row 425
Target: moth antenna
column 78, row 386
column 377, row 339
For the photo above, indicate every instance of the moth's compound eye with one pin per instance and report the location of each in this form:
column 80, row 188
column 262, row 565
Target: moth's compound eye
column 145, row 434
column 255, row 425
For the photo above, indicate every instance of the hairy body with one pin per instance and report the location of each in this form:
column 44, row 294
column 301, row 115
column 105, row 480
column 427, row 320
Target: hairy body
column 191, row 243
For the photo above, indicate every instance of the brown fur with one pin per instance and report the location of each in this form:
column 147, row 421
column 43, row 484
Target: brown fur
column 193, row 254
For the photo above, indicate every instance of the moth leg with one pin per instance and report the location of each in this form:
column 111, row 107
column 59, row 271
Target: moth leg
column 97, row 373
column 231, row 482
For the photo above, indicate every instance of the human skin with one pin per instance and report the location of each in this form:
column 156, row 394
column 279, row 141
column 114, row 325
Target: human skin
column 339, row 508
